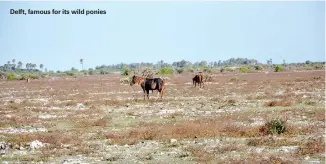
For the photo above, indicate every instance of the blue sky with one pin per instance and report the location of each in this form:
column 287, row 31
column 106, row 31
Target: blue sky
column 169, row 31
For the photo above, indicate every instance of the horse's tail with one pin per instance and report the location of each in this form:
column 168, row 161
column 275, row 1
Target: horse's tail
column 162, row 88
column 163, row 84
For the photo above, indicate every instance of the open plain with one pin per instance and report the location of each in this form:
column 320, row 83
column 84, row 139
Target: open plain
column 98, row 119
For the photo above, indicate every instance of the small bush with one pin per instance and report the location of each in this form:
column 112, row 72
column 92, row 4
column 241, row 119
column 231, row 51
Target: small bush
column 11, row 76
column 69, row 73
column 125, row 72
column 234, row 79
column 104, row 72
column 208, row 78
column 258, row 68
column 33, row 76
column 165, row 71
column 125, row 80
column 91, row 72
column 84, row 72
column 180, row 70
column 228, row 69
column 278, row 68
column 244, row 69
column 207, row 70
column 276, row 126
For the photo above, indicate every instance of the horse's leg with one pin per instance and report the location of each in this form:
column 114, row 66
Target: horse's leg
column 162, row 92
column 147, row 91
column 158, row 94
column 143, row 87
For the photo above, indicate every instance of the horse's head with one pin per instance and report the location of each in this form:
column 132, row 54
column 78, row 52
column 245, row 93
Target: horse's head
column 133, row 80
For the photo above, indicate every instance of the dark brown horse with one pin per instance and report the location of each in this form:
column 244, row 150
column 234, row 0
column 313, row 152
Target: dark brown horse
column 154, row 84
column 198, row 79
column 148, row 84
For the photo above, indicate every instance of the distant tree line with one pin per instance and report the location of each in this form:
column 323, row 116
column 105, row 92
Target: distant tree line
column 181, row 64
column 19, row 67
column 178, row 66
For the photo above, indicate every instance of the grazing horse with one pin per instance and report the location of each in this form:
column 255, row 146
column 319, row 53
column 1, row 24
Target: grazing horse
column 154, row 84
column 198, row 79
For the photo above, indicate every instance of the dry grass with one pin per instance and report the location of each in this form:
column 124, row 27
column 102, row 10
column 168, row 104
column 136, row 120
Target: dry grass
column 200, row 155
column 313, row 146
column 195, row 129
column 117, row 114
column 284, row 103
column 186, row 129
column 271, row 142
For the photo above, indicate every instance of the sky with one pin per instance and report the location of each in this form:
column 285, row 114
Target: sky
column 170, row 31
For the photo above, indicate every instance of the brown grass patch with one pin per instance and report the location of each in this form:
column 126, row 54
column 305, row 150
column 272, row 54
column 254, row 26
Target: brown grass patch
column 185, row 129
column 313, row 146
column 283, row 103
column 87, row 123
column 200, row 155
column 55, row 139
column 272, row 142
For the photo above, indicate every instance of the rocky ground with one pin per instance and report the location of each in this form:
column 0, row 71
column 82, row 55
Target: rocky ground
column 98, row 119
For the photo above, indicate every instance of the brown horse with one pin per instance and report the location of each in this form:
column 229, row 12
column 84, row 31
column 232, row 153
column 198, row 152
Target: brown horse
column 139, row 81
column 198, row 79
column 154, row 84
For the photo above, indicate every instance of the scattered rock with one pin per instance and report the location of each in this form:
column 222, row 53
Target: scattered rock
column 36, row 145
column 173, row 140
column 3, row 146
column 22, row 130
column 112, row 158
column 287, row 149
column 80, row 106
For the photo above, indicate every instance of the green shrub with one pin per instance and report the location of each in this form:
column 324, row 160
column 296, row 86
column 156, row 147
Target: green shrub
column 278, row 68
column 244, row 69
column 276, row 126
column 69, row 73
column 234, row 79
column 228, row 69
column 11, row 76
column 207, row 70
column 125, row 80
column 91, row 72
column 125, row 72
column 165, row 71
column 32, row 76
column 103, row 72
column 258, row 68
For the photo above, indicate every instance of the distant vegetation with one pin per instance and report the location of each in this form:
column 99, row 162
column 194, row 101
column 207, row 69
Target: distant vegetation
column 13, row 70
